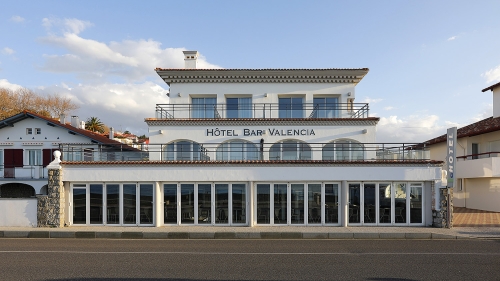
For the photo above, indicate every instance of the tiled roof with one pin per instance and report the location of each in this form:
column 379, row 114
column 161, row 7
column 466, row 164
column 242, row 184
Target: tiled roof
column 253, row 69
column 262, row 162
column 487, row 125
column 491, row 87
column 85, row 133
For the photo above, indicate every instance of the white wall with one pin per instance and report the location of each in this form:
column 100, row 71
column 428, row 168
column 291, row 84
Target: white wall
column 18, row 212
column 482, row 194
column 221, row 173
column 257, row 90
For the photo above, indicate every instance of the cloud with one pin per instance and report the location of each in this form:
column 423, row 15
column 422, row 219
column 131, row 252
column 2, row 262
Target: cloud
column 414, row 128
column 74, row 26
column 492, row 75
column 452, row 38
column 116, row 81
column 17, row 19
column 6, row 84
column 118, row 105
column 130, row 60
column 369, row 100
column 7, row 51
column 388, row 108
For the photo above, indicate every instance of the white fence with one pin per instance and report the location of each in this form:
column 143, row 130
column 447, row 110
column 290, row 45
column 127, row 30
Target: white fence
column 18, row 212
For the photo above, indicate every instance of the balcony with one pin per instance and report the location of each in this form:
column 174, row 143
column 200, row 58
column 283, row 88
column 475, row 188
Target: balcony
column 482, row 165
column 262, row 111
column 25, row 172
column 238, row 151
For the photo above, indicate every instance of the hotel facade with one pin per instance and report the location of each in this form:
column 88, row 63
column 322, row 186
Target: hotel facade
column 254, row 147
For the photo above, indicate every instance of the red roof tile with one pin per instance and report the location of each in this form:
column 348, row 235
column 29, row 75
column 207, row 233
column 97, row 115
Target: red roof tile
column 487, row 125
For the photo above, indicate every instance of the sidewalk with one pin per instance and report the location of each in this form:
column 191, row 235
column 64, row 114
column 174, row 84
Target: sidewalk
column 285, row 232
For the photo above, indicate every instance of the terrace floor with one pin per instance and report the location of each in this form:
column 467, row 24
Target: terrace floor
column 464, row 217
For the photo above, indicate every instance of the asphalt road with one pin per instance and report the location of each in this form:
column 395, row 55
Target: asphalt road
column 91, row 259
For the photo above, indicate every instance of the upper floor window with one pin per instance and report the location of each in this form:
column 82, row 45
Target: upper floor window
column 325, row 107
column 34, row 157
column 204, row 108
column 239, row 107
column 237, row 150
column 291, row 107
column 185, row 150
column 290, row 150
column 29, row 131
column 38, row 131
column 343, row 150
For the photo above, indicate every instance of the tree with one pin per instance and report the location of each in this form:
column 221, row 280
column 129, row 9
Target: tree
column 95, row 125
column 13, row 102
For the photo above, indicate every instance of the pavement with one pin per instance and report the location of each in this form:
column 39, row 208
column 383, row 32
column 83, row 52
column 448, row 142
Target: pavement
column 468, row 224
column 260, row 232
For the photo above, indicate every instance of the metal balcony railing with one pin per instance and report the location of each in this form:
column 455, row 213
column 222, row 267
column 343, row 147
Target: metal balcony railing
column 479, row 155
column 241, row 150
column 262, row 110
column 23, row 172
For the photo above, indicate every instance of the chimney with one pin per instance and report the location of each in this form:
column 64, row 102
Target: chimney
column 111, row 133
column 82, row 125
column 190, row 58
column 75, row 121
column 62, row 118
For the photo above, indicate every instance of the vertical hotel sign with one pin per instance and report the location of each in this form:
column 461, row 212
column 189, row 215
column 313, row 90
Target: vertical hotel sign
column 451, row 157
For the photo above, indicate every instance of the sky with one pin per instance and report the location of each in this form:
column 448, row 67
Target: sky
column 428, row 60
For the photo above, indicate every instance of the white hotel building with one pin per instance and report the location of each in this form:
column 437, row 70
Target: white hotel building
column 256, row 147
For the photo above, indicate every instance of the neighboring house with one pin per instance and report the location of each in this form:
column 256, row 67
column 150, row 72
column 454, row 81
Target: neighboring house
column 257, row 147
column 478, row 160
column 27, row 143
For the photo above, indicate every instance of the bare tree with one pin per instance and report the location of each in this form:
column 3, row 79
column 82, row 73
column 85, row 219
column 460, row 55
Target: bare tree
column 22, row 99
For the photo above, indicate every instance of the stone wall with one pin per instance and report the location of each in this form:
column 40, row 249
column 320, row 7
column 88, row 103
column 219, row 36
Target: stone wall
column 50, row 209
column 440, row 217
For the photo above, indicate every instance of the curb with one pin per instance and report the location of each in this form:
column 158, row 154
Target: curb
column 227, row 235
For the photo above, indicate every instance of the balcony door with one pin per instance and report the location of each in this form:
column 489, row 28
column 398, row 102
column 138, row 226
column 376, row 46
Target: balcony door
column 291, row 107
column 204, row 108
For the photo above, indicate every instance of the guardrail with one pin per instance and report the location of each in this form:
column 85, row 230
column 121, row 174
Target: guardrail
column 479, row 155
column 262, row 110
column 241, row 150
column 24, row 172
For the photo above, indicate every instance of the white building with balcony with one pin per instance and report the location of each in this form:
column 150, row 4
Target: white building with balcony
column 27, row 142
column 478, row 161
column 257, row 147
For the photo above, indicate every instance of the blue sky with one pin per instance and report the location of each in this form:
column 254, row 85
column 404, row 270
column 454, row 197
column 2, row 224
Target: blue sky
column 428, row 60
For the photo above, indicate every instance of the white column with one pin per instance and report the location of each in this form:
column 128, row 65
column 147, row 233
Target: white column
column 344, row 204
column 250, row 211
column 158, row 205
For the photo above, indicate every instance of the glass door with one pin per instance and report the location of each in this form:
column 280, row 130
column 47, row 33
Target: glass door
column 96, row 203
column 187, row 203
column 331, row 203
column 385, row 203
column 221, row 203
column 354, row 197
column 170, row 203
column 416, row 197
column 129, row 203
column 400, row 210
column 112, row 203
column 314, row 203
column 239, row 203
column 297, row 203
column 263, row 203
column 146, row 203
column 204, row 203
column 280, row 203
column 79, row 204
column 369, row 203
